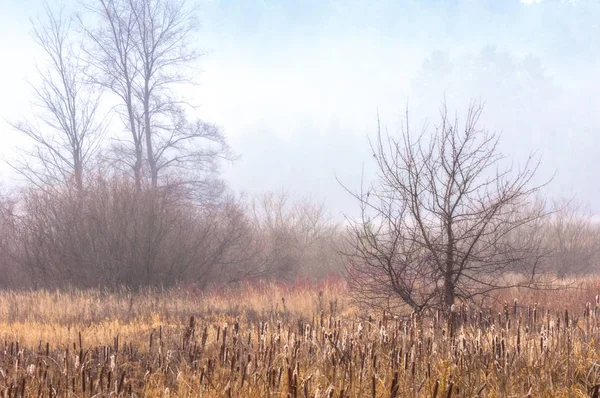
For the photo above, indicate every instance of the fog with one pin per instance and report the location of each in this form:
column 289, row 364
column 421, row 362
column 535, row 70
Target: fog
column 297, row 87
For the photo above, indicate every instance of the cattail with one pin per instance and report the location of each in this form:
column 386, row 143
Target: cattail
column 113, row 363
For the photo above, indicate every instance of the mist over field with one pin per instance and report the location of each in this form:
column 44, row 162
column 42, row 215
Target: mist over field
column 297, row 86
column 160, row 142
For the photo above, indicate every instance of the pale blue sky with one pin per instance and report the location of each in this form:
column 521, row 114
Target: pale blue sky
column 296, row 85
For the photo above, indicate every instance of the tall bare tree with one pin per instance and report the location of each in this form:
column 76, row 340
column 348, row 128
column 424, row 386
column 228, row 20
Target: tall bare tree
column 444, row 220
column 141, row 50
column 66, row 130
column 114, row 66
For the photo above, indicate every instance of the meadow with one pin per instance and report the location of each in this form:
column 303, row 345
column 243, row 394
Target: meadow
column 300, row 340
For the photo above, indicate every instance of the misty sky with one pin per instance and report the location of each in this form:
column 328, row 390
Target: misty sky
column 297, row 85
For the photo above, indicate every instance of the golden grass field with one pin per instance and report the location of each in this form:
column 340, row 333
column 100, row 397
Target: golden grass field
column 295, row 341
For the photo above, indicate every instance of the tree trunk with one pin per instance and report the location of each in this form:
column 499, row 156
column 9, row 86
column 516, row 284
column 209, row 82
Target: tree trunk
column 448, row 289
column 137, row 166
column 78, row 170
column 148, row 132
column 449, row 271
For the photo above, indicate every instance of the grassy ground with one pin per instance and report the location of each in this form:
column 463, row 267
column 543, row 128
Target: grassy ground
column 295, row 341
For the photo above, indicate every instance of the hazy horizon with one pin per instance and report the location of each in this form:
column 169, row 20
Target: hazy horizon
column 297, row 86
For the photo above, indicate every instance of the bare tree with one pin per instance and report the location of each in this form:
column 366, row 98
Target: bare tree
column 444, row 220
column 66, row 131
column 141, row 50
column 114, row 67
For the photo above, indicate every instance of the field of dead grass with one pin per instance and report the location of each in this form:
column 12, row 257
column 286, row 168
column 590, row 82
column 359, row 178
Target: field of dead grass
column 302, row 340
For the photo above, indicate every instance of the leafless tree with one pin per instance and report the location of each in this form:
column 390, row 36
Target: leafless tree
column 444, row 220
column 66, row 131
column 140, row 50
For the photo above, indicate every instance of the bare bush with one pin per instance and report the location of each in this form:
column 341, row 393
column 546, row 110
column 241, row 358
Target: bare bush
column 12, row 275
column 295, row 237
column 116, row 235
column 572, row 240
column 113, row 234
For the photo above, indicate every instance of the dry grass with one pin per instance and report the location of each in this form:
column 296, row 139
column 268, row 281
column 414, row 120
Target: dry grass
column 294, row 341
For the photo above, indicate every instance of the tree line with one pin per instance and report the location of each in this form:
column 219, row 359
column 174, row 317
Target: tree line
column 123, row 187
column 122, row 180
